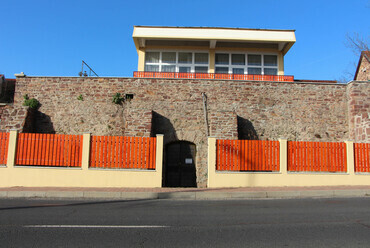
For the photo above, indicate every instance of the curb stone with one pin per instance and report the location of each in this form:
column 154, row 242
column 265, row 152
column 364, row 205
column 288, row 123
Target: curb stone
column 201, row 195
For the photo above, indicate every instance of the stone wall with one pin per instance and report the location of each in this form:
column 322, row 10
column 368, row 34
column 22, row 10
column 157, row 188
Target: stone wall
column 174, row 107
column 359, row 111
column 18, row 118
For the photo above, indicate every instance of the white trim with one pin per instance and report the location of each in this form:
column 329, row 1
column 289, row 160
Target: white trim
column 214, row 34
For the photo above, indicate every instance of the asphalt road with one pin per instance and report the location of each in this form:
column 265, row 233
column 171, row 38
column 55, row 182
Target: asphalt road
column 169, row 223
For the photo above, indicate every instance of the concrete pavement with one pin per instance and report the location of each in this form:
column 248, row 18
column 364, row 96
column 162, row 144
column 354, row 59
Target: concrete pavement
column 186, row 193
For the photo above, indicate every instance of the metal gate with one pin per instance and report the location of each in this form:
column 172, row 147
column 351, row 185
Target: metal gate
column 180, row 165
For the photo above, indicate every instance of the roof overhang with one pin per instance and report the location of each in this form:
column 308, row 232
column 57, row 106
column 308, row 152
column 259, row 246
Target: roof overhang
column 282, row 39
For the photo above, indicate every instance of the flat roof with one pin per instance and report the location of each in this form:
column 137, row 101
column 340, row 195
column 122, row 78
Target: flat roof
column 284, row 38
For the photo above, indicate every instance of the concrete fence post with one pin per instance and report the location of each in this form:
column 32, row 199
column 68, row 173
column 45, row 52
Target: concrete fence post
column 283, row 143
column 350, row 157
column 85, row 151
column 159, row 158
column 211, row 162
column 13, row 134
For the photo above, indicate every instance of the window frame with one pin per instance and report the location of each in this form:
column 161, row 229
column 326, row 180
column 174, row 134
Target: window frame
column 246, row 66
column 177, row 65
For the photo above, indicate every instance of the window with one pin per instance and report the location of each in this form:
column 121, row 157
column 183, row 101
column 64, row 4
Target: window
column 222, row 59
column 254, row 59
column 237, row 59
column 241, row 63
column 168, row 57
column 185, row 58
column 198, row 62
column 222, row 69
column 167, row 61
column 201, row 58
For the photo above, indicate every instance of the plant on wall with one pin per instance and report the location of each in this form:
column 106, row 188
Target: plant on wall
column 32, row 103
column 118, row 98
column 80, row 98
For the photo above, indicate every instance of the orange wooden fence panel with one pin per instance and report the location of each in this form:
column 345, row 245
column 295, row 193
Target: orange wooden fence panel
column 49, row 150
column 247, row 155
column 362, row 157
column 4, row 143
column 317, row 156
column 122, row 152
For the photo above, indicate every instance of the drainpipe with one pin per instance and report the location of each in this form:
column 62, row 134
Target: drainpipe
column 204, row 96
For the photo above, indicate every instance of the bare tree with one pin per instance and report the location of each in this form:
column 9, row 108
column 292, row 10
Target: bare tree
column 357, row 44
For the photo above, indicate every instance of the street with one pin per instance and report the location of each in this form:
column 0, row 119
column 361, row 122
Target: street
column 337, row 222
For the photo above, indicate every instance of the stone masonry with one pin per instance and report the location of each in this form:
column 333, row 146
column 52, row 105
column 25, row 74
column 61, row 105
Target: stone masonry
column 359, row 111
column 174, row 107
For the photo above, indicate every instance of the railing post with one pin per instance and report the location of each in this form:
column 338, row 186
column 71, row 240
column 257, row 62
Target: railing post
column 13, row 134
column 211, row 162
column 350, row 157
column 283, row 143
column 85, row 151
column 159, row 158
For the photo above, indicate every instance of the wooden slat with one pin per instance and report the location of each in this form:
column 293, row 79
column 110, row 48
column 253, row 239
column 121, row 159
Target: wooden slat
column 74, row 156
column 138, row 155
column 278, row 155
column 223, row 155
column 154, row 142
column 20, row 149
column 243, row 155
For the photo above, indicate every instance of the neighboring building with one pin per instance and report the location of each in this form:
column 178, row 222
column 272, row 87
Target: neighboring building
column 211, row 50
column 363, row 67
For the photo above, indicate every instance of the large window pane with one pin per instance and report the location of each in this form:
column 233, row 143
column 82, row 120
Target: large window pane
column 254, row 59
column 270, row 71
column 222, row 59
column 270, row 60
column 184, row 69
column 255, row 71
column 168, row 68
column 151, row 67
column 168, row 57
column 185, row 58
column 237, row 59
column 238, row 71
column 152, row 57
column 201, row 58
column 203, row 69
column 222, row 69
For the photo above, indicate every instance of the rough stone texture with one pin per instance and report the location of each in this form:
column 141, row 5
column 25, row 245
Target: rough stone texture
column 359, row 111
column 363, row 70
column 18, row 118
column 174, row 107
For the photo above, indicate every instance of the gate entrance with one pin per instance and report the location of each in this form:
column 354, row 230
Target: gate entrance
column 180, row 165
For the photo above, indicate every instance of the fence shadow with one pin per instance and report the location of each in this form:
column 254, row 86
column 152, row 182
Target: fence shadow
column 42, row 123
column 162, row 125
column 246, row 130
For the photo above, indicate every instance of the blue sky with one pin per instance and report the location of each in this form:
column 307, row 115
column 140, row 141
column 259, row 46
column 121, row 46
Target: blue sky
column 50, row 38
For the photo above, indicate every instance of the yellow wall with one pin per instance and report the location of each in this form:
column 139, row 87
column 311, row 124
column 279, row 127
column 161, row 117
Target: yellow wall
column 217, row 179
column 25, row 176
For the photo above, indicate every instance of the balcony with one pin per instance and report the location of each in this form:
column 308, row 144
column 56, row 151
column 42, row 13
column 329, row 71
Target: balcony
column 181, row 75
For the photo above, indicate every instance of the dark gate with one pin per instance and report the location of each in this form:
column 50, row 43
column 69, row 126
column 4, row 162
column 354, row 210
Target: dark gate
column 180, row 165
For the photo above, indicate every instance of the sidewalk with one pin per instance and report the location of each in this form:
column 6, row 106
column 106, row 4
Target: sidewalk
column 186, row 193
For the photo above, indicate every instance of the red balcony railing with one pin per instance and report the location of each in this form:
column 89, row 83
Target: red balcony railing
column 148, row 74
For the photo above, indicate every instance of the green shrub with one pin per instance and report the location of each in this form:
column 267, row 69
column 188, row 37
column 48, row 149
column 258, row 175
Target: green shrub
column 117, row 98
column 32, row 103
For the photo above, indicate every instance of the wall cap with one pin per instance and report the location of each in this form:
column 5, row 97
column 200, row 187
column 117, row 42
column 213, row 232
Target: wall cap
column 20, row 74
